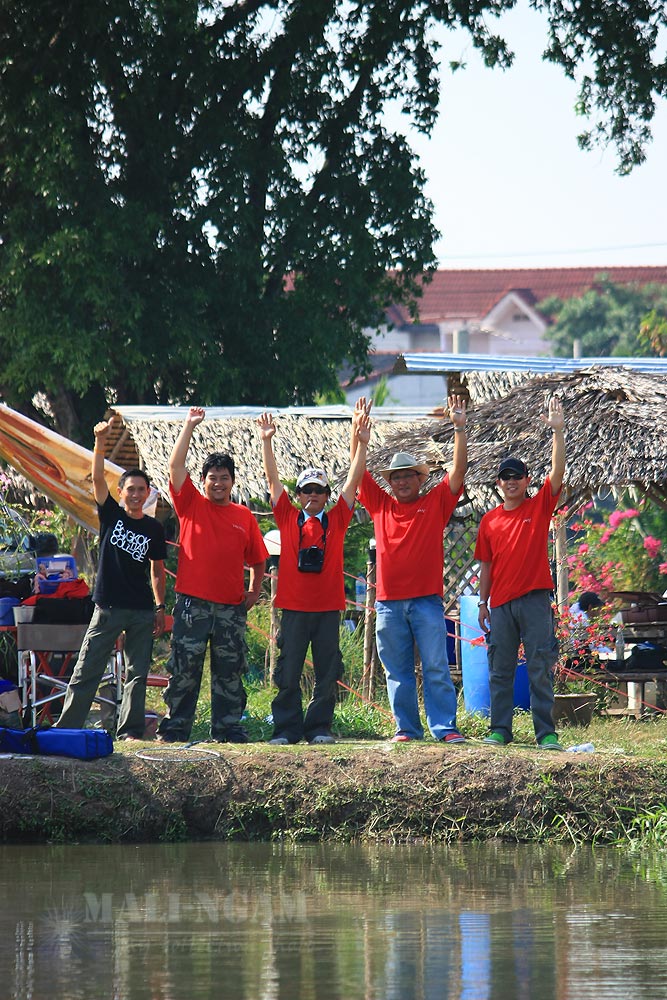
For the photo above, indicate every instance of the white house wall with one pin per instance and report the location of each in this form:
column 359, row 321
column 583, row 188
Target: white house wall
column 405, row 390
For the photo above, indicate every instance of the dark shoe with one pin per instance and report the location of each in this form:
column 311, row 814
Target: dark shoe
column 169, row 738
column 232, row 734
column 453, row 737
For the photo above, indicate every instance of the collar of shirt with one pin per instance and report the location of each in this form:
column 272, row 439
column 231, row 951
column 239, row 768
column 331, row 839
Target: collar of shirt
column 307, row 516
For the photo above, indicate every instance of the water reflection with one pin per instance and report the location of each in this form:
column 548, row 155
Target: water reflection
column 267, row 922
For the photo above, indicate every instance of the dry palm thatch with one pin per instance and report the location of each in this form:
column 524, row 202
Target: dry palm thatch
column 616, row 433
column 301, row 440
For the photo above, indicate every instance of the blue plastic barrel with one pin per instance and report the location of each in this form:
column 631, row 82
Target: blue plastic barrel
column 475, row 667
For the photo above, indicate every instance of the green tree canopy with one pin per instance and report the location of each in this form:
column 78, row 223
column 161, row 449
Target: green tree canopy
column 201, row 201
column 608, row 320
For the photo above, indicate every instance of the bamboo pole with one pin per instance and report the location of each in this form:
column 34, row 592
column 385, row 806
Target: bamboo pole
column 562, row 578
column 274, row 624
column 370, row 649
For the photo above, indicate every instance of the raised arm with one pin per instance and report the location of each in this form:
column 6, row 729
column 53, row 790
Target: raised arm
column 457, row 412
column 267, row 429
column 177, row 468
column 361, row 407
column 100, row 488
column 555, row 419
column 359, row 438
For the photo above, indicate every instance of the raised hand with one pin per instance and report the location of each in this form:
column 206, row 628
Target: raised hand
column 362, row 405
column 196, row 415
column 101, row 429
column 457, row 410
column 363, row 426
column 554, row 418
column 266, row 425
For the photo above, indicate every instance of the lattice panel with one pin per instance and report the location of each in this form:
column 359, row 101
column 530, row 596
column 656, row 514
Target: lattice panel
column 460, row 536
column 460, row 565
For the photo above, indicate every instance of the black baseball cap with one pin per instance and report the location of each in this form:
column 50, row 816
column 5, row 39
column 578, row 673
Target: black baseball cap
column 512, row 465
column 589, row 599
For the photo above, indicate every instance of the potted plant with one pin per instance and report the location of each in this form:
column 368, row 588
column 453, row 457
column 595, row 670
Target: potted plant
column 577, row 694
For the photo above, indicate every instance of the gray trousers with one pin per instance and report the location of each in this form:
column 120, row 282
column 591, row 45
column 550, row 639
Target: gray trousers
column 527, row 619
column 105, row 627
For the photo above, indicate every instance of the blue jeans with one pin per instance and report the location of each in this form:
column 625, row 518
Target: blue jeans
column 399, row 625
column 527, row 619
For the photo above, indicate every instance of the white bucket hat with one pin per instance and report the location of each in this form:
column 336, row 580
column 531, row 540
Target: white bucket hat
column 402, row 460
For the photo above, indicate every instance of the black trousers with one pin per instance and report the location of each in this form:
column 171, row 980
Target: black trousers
column 298, row 630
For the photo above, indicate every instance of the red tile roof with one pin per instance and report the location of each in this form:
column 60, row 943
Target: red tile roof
column 453, row 295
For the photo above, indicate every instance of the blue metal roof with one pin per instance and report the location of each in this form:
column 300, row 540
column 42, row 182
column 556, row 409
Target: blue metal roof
column 425, row 363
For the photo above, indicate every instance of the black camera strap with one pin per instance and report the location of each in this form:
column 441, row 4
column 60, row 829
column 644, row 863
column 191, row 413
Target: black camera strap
column 301, row 519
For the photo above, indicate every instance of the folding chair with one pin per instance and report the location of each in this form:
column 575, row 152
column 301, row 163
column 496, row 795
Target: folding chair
column 46, row 658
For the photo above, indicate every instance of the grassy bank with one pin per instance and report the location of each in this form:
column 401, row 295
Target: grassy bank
column 362, row 788
column 356, row 790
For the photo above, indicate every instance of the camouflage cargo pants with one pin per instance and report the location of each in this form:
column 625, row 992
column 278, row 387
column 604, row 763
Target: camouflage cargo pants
column 223, row 627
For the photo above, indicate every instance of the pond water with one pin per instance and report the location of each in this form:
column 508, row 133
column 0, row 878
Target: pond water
column 286, row 922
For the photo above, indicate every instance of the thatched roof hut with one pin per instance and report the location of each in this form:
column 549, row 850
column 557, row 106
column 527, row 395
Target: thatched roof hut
column 305, row 436
column 616, row 431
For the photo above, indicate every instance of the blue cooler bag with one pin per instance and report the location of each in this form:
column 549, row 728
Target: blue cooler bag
column 86, row 744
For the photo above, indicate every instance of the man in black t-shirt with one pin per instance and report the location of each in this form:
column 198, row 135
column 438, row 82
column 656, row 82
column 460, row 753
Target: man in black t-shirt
column 132, row 548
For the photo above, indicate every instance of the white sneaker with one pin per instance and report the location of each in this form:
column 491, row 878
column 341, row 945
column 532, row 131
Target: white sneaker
column 279, row 741
column 323, row 738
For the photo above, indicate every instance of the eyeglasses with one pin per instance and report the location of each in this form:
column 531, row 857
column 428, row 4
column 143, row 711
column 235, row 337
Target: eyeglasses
column 312, row 489
column 399, row 479
column 508, row 476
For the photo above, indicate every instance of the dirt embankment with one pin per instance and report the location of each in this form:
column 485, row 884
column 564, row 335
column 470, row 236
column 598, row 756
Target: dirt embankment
column 350, row 791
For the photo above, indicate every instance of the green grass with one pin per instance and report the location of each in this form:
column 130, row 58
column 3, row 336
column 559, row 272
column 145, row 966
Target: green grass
column 353, row 719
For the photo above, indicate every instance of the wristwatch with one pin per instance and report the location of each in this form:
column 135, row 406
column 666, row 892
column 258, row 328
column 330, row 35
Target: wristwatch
column 482, row 604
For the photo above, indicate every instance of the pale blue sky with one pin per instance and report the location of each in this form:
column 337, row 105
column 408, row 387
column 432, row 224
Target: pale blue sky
column 511, row 186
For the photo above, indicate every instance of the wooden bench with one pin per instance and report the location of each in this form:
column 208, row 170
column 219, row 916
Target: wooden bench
column 633, row 684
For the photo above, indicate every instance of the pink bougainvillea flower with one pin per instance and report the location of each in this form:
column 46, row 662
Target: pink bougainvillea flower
column 652, row 545
column 583, row 548
column 662, row 568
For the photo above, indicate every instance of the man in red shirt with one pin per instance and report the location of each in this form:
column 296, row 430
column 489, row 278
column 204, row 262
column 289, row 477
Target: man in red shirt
column 217, row 540
column 515, row 588
column 310, row 590
column 409, row 530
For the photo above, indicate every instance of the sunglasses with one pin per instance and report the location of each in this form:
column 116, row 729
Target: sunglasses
column 312, row 489
column 508, row 476
column 403, row 478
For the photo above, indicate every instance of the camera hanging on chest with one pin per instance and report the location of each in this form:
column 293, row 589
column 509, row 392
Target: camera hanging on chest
column 312, row 543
